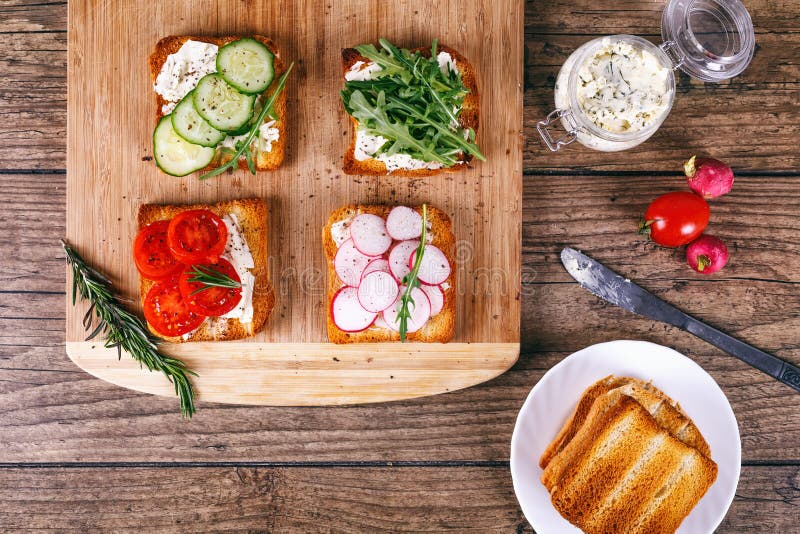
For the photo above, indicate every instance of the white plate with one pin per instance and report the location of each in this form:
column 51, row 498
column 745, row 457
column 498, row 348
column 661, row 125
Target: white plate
column 554, row 397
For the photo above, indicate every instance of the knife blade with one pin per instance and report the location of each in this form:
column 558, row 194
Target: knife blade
column 611, row 287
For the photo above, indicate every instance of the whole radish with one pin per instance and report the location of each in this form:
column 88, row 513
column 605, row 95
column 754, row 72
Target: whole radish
column 707, row 254
column 708, row 177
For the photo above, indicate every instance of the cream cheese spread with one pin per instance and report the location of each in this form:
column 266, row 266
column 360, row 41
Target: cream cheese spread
column 182, row 70
column 238, row 253
column 622, row 88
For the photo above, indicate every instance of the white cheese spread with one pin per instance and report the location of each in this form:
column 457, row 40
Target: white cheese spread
column 183, row 69
column 268, row 134
column 622, row 88
column 238, row 253
column 367, row 145
column 340, row 231
column 446, row 62
column 361, row 71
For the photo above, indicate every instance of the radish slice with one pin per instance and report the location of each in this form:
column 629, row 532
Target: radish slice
column 420, row 311
column 378, row 264
column 348, row 315
column 403, row 223
column 349, row 263
column 369, row 235
column 434, row 268
column 436, row 296
column 398, row 258
column 377, row 291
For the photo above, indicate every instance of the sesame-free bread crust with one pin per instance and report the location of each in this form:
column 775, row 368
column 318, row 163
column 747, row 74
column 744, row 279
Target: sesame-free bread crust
column 252, row 218
column 265, row 161
column 468, row 118
column 439, row 328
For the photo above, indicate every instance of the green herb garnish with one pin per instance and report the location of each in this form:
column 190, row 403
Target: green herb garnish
column 244, row 146
column 210, row 277
column 413, row 104
column 124, row 330
column 411, row 281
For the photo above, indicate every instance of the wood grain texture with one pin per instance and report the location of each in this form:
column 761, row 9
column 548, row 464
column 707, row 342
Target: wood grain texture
column 360, row 499
column 304, row 190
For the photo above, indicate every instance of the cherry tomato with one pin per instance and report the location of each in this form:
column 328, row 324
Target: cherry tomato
column 197, row 236
column 212, row 301
column 151, row 252
column 676, row 219
column 167, row 311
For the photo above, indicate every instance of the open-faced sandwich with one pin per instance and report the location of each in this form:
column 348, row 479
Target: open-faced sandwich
column 203, row 270
column 629, row 459
column 415, row 112
column 391, row 274
column 219, row 99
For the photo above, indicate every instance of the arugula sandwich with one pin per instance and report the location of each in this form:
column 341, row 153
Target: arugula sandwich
column 415, row 112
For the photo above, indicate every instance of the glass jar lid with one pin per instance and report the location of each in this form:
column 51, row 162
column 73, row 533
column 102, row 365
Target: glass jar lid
column 710, row 40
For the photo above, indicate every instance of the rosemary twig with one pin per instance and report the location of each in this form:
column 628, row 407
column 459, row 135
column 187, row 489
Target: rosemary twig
column 411, row 281
column 123, row 329
column 245, row 146
column 210, row 277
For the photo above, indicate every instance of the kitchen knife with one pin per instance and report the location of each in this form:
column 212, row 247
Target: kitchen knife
column 613, row 288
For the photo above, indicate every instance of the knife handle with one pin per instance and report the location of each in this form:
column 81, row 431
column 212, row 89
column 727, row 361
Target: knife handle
column 784, row 371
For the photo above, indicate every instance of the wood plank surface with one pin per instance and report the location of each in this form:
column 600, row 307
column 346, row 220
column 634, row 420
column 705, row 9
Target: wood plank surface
column 302, row 499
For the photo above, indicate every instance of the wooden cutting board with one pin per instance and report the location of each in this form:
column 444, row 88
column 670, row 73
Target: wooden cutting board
column 111, row 110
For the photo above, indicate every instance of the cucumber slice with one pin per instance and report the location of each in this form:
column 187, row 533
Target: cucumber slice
column 174, row 155
column 246, row 65
column 221, row 105
column 188, row 123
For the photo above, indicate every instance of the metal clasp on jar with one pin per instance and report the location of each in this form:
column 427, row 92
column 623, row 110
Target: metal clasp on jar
column 567, row 121
column 670, row 48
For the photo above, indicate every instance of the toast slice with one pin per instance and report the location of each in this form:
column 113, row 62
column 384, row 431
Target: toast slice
column 468, row 118
column 664, row 410
column 622, row 472
column 264, row 161
column 439, row 328
column 251, row 215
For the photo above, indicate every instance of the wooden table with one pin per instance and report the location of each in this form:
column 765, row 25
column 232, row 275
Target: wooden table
column 79, row 453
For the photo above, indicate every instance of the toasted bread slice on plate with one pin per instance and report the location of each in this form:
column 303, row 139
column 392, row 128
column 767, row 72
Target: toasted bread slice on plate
column 624, row 469
column 440, row 327
column 666, row 412
column 469, row 117
column 264, row 160
column 251, row 216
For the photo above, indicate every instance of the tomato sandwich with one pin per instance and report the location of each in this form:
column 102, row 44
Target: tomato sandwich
column 391, row 274
column 203, row 270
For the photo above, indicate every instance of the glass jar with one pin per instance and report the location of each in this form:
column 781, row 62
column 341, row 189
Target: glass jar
column 601, row 108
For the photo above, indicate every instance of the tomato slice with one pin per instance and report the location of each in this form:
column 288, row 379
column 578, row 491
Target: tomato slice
column 197, row 236
column 213, row 301
column 152, row 254
column 168, row 312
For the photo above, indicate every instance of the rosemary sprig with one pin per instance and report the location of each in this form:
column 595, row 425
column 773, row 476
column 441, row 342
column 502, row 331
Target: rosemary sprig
column 210, row 277
column 123, row 329
column 245, row 146
column 411, row 281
